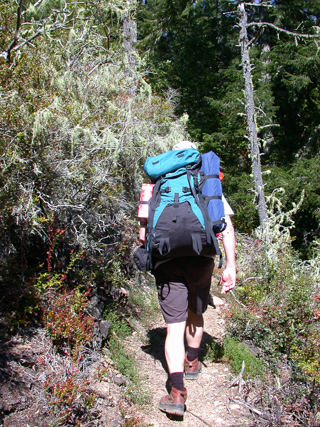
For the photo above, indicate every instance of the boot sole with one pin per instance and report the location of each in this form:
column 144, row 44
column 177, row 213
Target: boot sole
column 172, row 410
column 192, row 375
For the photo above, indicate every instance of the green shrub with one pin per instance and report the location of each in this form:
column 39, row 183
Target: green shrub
column 307, row 350
column 66, row 319
column 278, row 311
column 144, row 299
column 68, row 397
column 213, row 351
column 236, row 352
column 276, row 305
column 123, row 360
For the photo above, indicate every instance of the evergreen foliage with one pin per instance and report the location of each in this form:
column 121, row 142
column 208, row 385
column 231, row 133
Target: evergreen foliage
column 194, row 49
column 296, row 179
column 189, row 50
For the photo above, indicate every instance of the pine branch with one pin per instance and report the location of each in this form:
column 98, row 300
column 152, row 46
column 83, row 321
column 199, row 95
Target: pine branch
column 282, row 30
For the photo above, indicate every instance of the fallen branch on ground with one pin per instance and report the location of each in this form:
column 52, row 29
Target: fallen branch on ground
column 252, row 409
column 239, row 380
column 200, row 419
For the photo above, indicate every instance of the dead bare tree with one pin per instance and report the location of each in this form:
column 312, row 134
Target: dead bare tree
column 250, row 110
column 250, row 103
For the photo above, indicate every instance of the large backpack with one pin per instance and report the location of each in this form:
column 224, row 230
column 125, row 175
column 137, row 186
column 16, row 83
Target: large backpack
column 186, row 209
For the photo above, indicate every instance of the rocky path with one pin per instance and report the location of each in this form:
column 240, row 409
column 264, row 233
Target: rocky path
column 209, row 398
column 28, row 363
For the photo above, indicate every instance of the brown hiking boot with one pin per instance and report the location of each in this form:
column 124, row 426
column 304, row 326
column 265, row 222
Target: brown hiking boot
column 191, row 369
column 174, row 403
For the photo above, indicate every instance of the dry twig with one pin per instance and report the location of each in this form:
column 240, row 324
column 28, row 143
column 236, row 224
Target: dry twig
column 239, row 380
column 200, row 419
column 252, row 409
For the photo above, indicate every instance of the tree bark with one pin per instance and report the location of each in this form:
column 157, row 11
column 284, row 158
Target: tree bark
column 219, row 22
column 250, row 111
column 130, row 38
column 267, row 134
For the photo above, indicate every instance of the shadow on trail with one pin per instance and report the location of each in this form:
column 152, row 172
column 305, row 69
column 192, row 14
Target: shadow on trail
column 157, row 337
column 155, row 347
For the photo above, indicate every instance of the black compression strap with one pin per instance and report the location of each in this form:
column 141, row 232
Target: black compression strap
column 213, row 197
column 166, row 190
column 176, row 206
column 196, row 243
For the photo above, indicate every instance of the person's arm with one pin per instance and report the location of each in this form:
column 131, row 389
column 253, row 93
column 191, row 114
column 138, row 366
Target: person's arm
column 228, row 278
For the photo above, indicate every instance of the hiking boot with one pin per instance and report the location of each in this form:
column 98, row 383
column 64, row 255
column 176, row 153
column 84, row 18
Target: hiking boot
column 191, row 369
column 174, row 403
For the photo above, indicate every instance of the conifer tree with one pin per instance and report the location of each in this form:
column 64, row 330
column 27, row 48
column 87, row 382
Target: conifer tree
column 190, row 46
column 283, row 72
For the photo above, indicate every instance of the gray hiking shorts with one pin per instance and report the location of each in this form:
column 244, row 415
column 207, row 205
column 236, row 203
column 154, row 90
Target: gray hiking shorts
column 183, row 283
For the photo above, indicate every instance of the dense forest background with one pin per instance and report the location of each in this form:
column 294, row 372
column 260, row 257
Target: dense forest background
column 90, row 88
column 194, row 48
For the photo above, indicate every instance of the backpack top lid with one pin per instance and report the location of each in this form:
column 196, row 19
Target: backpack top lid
column 170, row 161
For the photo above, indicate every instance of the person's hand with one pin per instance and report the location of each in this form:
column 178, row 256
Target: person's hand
column 219, row 236
column 228, row 279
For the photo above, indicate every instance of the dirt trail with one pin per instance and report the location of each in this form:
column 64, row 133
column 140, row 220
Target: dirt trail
column 208, row 398
column 32, row 359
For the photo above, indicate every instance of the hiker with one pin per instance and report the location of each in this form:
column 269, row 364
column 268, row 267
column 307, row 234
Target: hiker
column 183, row 289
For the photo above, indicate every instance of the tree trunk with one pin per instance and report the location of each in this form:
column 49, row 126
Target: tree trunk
column 219, row 22
column 130, row 38
column 267, row 134
column 250, row 110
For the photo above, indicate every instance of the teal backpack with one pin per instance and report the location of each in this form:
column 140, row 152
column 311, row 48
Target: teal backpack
column 187, row 187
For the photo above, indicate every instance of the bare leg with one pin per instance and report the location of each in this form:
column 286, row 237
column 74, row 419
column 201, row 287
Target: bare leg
column 194, row 329
column 174, row 346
